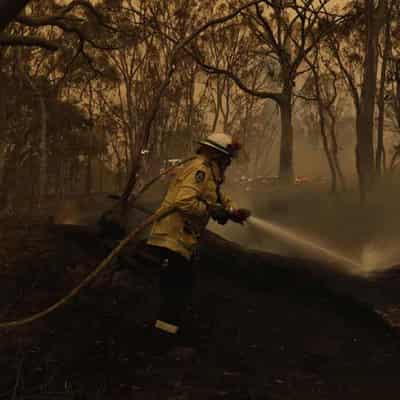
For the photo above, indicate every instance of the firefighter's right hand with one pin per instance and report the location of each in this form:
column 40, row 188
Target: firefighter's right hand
column 219, row 213
column 240, row 215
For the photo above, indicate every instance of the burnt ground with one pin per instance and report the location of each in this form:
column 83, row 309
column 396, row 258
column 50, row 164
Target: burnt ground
column 278, row 342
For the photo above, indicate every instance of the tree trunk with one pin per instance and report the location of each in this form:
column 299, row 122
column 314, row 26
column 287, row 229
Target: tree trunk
column 9, row 179
column 322, row 124
column 43, row 132
column 89, row 166
column 286, row 148
column 217, row 106
column 43, row 150
column 381, row 100
column 349, row 294
column 89, row 174
column 32, row 183
column 101, row 173
column 142, row 140
column 365, row 125
column 334, row 150
column 395, row 156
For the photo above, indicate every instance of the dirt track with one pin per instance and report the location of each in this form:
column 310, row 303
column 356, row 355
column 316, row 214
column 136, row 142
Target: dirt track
column 280, row 343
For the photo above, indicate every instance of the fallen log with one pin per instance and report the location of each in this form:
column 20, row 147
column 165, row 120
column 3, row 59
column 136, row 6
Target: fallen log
column 352, row 296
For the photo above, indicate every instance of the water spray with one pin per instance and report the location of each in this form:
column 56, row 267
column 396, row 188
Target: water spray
column 307, row 244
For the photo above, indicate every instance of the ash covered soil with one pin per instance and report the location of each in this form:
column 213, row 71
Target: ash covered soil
column 276, row 343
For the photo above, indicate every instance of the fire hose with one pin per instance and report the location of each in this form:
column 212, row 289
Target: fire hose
column 106, row 262
column 101, row 267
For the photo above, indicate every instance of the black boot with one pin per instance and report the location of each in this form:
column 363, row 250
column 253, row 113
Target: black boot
column 161, row 341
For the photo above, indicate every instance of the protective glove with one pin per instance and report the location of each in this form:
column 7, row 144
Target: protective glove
column 220, row 214
column 239, row 215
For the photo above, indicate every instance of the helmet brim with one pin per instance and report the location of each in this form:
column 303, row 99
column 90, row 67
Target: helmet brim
column 215, row 146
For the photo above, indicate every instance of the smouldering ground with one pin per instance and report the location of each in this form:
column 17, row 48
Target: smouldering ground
column 370, row 235
column 277, row 344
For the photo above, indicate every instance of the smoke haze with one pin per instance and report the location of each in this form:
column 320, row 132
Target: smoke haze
column 368, row 235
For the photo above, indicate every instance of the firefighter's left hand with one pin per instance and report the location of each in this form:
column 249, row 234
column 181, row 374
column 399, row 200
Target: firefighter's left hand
column 239, row 215
column 220, row 214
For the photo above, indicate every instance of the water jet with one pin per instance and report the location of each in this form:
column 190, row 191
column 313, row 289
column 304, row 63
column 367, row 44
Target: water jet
column 298, row 240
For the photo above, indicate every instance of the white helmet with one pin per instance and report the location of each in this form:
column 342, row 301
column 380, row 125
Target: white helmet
column 222, row 143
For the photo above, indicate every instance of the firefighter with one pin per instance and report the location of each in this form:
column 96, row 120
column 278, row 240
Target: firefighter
column 196, row 193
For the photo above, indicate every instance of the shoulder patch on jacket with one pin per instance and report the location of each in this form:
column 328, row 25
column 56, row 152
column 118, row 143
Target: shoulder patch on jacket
column 200, row 176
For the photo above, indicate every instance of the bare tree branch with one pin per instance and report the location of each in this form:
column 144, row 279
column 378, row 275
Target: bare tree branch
column 214, row 70
column 306, row 98
column 60, row 22
column 268, row 30
column 335, row 47
column 54, row 19
column 171, row 68
column 30, row 41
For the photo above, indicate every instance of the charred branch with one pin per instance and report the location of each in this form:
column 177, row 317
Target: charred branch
column 30, row 41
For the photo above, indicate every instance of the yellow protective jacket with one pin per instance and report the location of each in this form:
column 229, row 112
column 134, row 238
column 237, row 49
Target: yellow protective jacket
column 192, row 191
